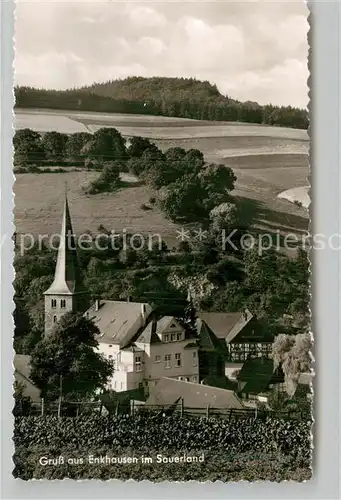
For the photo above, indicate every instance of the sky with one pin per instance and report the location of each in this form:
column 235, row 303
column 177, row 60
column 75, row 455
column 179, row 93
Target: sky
column 252, row 50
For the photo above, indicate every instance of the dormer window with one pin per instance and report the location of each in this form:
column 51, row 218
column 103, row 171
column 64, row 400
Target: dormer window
column 63, row 303
column 53, row 303
column 138, row 363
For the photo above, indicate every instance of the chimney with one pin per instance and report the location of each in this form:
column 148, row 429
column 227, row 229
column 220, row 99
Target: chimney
column 245, row 314
column 143, row 313
column 154, row 325
column 97, row 304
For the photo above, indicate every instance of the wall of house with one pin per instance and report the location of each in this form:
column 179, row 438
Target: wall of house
column 127, row 373
column 230, row 368
column 156, row 369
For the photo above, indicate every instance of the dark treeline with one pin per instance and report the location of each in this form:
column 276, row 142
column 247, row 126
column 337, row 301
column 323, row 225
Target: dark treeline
column 173, row 97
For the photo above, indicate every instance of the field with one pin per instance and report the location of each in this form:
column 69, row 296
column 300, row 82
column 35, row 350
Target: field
column 266, row 160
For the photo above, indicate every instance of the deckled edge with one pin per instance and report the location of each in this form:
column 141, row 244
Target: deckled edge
column 191, row 481
column 309, row 7
column 13, row 3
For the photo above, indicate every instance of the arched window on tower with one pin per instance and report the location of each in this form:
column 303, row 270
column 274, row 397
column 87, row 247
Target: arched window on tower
column 53, row 303
column 63, row 303
column 54, row 319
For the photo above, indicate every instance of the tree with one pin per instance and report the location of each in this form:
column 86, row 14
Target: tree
column 75, row 144
column 54, row 144
column 138, row 145
column 109, row 180
column 106, row 144
column 28, row 147
column 293, row 354
column 22, row 403
column 224, row 216
column 183, row 199
column 66, row 360
column 217, row 178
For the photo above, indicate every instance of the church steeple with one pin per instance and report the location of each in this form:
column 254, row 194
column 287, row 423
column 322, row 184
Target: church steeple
column 67, row 291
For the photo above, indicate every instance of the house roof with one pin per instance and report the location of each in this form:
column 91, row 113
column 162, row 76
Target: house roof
column 22, row 372
column 115, row 320
column 226, row 325
column 207, row 340
column 167, row 391
column 306, row 378
column 255, row 375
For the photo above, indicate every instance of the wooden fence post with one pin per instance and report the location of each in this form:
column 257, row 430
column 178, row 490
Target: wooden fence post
column 42, row 407
column 60, row 396
column 207, row 411
column 182, row 407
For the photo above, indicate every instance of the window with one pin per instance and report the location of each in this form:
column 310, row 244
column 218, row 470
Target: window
column 167, row 361
column 54, row 319
column 138, row 363
column 63, row 303
column 195, row 378
column 115, row 385
column 110, row 345
column 178, row 336
column 110, row 356
column 173, row 337
column 166, row 338
column 177, row 359
column 157, row 359
column 121, row 385
column 53, row 303
column 172, row 325
column 119, row 357
column 195, row 358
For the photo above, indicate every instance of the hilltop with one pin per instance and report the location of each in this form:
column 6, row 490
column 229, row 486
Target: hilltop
column 176, row 97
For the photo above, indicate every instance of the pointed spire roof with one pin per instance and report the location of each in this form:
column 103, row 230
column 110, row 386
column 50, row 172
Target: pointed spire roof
column 67, row 278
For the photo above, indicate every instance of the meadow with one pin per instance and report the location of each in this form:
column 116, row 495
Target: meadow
column 266, row 160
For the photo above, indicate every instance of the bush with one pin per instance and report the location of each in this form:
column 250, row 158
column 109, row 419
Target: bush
column 145, row 207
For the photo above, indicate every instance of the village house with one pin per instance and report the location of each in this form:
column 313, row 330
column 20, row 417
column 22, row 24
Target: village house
column 241, row 337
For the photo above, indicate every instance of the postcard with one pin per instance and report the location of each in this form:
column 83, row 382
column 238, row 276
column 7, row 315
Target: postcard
column 161, row 161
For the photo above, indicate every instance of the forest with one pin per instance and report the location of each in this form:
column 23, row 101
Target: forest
column 173, row 97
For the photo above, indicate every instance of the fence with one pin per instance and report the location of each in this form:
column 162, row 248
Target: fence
column 132, row 408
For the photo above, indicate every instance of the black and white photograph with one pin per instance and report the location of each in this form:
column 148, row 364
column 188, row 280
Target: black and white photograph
column 162, row 326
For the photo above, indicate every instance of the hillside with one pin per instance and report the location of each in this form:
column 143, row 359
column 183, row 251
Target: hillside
column 175, row 97
column 138, row 88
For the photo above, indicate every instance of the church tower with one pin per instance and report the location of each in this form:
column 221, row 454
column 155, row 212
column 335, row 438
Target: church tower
column 67, row 292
